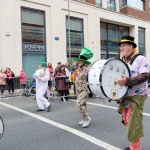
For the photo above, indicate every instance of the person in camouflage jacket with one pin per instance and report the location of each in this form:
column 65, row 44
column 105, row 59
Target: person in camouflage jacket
column 82, row 85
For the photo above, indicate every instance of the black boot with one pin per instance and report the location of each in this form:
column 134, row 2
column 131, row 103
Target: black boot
column 127, row 148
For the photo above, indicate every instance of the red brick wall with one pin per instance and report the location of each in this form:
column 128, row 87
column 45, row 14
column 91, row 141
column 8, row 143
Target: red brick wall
column 91, row 1
column 137, row 13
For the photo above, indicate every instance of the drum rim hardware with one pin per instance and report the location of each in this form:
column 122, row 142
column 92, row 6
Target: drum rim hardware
column 3, row 127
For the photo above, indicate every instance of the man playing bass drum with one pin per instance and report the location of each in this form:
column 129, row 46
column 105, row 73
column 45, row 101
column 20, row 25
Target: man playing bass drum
column 131, row 107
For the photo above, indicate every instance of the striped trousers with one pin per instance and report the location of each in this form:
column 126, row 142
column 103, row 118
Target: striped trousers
column 136, row 145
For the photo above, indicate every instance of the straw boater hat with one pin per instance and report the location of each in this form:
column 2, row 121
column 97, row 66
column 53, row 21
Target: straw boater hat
column 85, row 55
column 127, row 39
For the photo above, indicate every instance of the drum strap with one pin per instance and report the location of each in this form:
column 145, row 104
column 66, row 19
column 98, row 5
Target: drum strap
column 133, row 58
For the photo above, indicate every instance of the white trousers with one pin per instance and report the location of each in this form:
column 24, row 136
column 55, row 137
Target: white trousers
column 41, row 100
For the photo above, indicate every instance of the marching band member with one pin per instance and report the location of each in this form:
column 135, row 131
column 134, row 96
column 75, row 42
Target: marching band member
column 42, row 77
column 131, row 107
column 81, row 85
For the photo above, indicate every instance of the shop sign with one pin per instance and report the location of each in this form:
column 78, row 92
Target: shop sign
column 33, row 48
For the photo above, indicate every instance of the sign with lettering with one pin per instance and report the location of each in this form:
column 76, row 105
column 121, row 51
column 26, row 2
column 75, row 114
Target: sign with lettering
column 34, row 48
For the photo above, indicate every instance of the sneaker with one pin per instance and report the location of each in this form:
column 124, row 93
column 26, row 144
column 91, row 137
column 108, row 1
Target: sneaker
column 86, row 123
column 39, row 110
column 81, row 122
column 127, row 148
column 49, row 108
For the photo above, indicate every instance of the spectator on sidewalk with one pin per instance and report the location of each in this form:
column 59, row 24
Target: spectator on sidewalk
column 10, row 82
column 57, row 68
column 55, row 73
column 68, row 74
column 62, row 85
column 22, row 77
column 51, row 76
column 2, row 82
column 73, row 68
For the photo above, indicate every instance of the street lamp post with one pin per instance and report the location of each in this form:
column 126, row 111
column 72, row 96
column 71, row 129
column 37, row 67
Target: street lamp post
column 69, row 32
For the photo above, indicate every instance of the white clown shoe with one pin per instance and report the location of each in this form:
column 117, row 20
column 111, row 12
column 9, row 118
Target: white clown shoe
column 86, row 123
column 81, row 122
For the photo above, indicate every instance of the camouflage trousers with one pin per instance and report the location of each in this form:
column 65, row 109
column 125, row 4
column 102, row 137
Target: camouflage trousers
column 81, row 104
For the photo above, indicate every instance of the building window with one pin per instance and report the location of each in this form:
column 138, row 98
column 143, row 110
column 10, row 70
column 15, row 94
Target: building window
column 76, row 36
column 110, row 36
column 123, row 3
column 98, row 3
column 141, row 40
column 111, row 5
column 139, row 4
column 33, row 39
column 33, row 26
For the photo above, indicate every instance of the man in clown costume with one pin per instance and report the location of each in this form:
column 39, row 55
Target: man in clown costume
column 82, row 90
column 131, row 106
column 42, row 77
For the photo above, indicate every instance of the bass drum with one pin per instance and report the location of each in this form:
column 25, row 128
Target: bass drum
column 103, row 78
column 1, row 127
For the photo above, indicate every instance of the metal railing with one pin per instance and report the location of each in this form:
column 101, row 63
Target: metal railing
column 20, row 89
column 28, row 89
column 55, row 93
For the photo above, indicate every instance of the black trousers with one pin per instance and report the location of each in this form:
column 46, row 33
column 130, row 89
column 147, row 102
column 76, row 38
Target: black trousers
column 2, row 88
column 62, row 93
column 10, row 85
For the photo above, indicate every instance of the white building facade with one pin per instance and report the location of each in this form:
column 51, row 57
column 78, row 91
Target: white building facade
column 37, row 30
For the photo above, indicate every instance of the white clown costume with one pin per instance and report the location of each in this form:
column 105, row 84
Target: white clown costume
column 42, row 76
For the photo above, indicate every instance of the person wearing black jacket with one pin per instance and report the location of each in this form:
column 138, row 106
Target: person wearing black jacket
column 10, row 75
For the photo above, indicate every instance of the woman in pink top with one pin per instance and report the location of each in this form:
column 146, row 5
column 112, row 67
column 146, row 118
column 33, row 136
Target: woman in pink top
column 22, row 77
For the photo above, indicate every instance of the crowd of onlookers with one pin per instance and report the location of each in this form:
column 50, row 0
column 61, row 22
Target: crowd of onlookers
column 60, row 77
column 7, row 78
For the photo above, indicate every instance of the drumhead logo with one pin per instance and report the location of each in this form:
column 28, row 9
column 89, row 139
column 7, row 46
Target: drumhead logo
column 114, row 94
column 115, row 83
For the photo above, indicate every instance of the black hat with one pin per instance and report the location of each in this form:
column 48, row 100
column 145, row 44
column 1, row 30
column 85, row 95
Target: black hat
column 127, row 39
column 59, row 63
